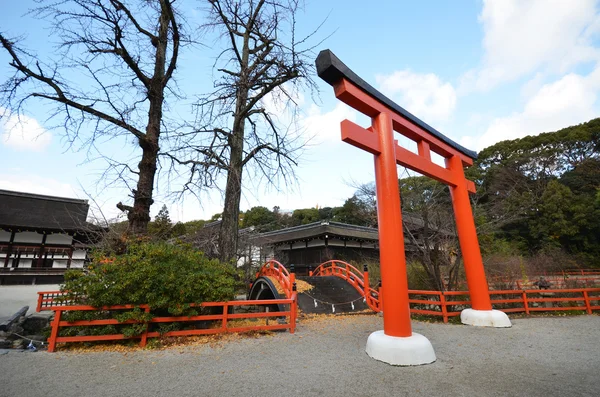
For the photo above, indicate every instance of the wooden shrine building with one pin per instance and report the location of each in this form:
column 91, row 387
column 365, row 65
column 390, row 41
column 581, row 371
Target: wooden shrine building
column 312, row 244
column 41, row 237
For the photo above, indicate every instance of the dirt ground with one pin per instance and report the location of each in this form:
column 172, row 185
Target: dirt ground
column 541, row 356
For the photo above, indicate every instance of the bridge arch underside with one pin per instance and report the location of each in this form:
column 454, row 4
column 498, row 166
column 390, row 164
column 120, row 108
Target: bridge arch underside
column 264, row 289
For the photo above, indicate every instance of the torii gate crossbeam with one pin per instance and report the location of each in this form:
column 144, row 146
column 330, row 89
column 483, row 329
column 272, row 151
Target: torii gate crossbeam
column 378, row 139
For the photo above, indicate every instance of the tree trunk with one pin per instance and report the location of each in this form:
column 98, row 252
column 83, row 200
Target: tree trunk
column 139, row 216
column 228, row 235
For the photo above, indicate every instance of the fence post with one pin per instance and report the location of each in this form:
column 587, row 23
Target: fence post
column 293, row 309
column 39, row 302
column 588, row 307
column 443, row 307
column 54, row 332
column 144, row 339
column 525, row 303
column 225, row 312
column 292, row 276
column 366, row 281
column 380, row 295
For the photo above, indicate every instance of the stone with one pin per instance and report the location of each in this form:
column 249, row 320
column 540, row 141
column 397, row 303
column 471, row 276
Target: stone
column 6, row 324
column 16, row 329
column 5, row 343
column 18, row 344
column 35, row 324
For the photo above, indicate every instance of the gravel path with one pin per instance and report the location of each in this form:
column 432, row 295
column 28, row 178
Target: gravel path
column 557, row 356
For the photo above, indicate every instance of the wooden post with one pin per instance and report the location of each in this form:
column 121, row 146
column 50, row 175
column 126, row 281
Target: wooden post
column 9, row 248
column 293, row 309
column 588, row 307
column 366, row 290
column 525, row 302
column 54, row 331
column 70, row 257
column 225, row 312
column 41, row 253
column 380, row 295
column 39, row 302
column 292, row 280
column 443, row 306
column 144, row 339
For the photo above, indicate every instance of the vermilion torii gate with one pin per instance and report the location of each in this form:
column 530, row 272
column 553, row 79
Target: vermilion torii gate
column 397, row 344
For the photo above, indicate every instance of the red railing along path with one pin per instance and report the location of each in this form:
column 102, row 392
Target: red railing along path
column 225, row 321
column 445, row 304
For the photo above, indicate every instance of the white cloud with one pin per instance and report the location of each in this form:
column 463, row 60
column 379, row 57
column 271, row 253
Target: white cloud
column 424, row 95
column 568, row 101
column 18, row 181
column 521, row 37
column 325, row 127
column 23, row 133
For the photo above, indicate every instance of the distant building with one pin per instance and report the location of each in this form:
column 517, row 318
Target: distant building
column 312, row 244
column 309, row 245
column 41, row 237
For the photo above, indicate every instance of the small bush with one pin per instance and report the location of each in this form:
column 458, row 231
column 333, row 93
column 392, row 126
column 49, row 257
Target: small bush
column 166, row 277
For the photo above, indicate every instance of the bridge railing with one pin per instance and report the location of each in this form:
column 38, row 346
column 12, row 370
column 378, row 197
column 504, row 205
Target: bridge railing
column 359, row 280
column 226, row 321
column 343, row 270
column 283, row 276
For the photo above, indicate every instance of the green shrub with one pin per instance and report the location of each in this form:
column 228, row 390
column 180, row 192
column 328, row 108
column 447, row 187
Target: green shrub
column 166, row 277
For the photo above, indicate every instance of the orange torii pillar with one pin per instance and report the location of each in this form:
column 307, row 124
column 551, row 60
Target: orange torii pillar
column 397, row 344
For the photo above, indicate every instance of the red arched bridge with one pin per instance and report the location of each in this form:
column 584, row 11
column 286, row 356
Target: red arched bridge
column 337, row 286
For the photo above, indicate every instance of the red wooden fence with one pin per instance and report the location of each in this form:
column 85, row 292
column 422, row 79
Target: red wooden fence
column 225, row 321
column 450, row 303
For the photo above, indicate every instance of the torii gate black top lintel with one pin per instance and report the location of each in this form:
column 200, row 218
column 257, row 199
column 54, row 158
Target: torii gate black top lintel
column 331, row 69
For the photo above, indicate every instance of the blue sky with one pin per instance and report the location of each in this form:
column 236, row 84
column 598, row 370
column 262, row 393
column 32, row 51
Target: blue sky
column 478, row 71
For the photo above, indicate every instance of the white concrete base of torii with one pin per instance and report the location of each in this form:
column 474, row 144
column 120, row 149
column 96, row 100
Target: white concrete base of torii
column 485, row 318
column 411, row 350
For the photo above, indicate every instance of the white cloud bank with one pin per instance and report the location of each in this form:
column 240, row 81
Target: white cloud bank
column 424, row 95
column 23, row 133
column 565, row 102
column 325, row 127
column 522, row 37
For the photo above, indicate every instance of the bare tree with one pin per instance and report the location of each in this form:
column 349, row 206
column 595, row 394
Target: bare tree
column 259, row 72
column 428, row 227
column 110, row 76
